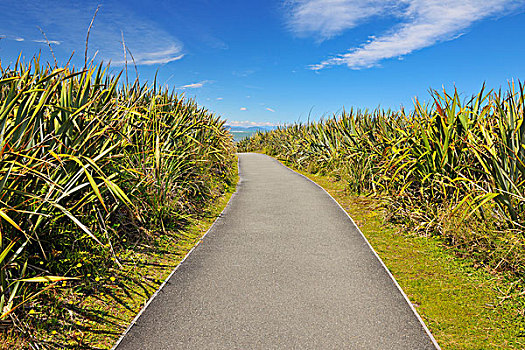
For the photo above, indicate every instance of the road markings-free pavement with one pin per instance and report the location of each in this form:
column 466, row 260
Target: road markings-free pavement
column 283, row 267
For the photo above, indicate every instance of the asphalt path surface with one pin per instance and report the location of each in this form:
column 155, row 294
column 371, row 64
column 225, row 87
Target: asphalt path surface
column 283, row 267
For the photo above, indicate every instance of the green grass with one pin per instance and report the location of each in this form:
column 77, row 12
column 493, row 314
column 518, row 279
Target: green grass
column 464, row 306
column 77, row 318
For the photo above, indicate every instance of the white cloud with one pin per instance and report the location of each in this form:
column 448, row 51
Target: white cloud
column 327, row 18
column 15, row 38
column 67, row 24
column 195, row 85
column 162, row 60
column 159, row 57
column 243, row 109
column 219, row 99
column 423, row 24
column 43, row 41
column 271, row 110
column 247, row 123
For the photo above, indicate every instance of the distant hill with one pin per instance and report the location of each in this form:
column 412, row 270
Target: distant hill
column 250, row 128
column 240, row 132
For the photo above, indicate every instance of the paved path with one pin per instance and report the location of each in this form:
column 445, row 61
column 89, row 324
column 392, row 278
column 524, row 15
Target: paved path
column 282, row 268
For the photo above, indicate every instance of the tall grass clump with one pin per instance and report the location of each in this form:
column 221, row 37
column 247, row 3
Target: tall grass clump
column 453, row 168
column 86, row 162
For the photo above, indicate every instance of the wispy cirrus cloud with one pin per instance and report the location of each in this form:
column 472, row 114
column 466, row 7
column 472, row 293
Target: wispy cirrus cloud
column 195, row 85
column 42, row 41
column 327, row 18
column 270, row 110
column 423, row 23
column 159, row 57
column 243, row 109
column 17, row 38
column 67, row 24
column 159, row 60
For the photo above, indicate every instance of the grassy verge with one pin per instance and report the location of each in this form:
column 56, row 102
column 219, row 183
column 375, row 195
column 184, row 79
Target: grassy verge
column 464, row 306
column 76, row 317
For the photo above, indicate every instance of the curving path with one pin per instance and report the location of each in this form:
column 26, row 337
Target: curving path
column 284, row 267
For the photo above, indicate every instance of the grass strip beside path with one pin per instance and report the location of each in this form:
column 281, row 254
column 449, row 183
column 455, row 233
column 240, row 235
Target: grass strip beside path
column 71, row 319
column 464, row 307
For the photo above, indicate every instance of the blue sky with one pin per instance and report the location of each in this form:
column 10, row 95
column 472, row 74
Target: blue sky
column 279, row 61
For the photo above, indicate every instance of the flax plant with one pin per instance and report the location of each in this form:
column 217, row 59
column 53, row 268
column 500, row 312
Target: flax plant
column 85, row 160
column 452, row 158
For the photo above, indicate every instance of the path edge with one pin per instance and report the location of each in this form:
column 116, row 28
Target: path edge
column 154, row 295
column 433, row 340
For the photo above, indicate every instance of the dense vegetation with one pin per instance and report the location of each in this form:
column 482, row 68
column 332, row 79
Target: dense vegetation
column 88, row 163
column 454, row 168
